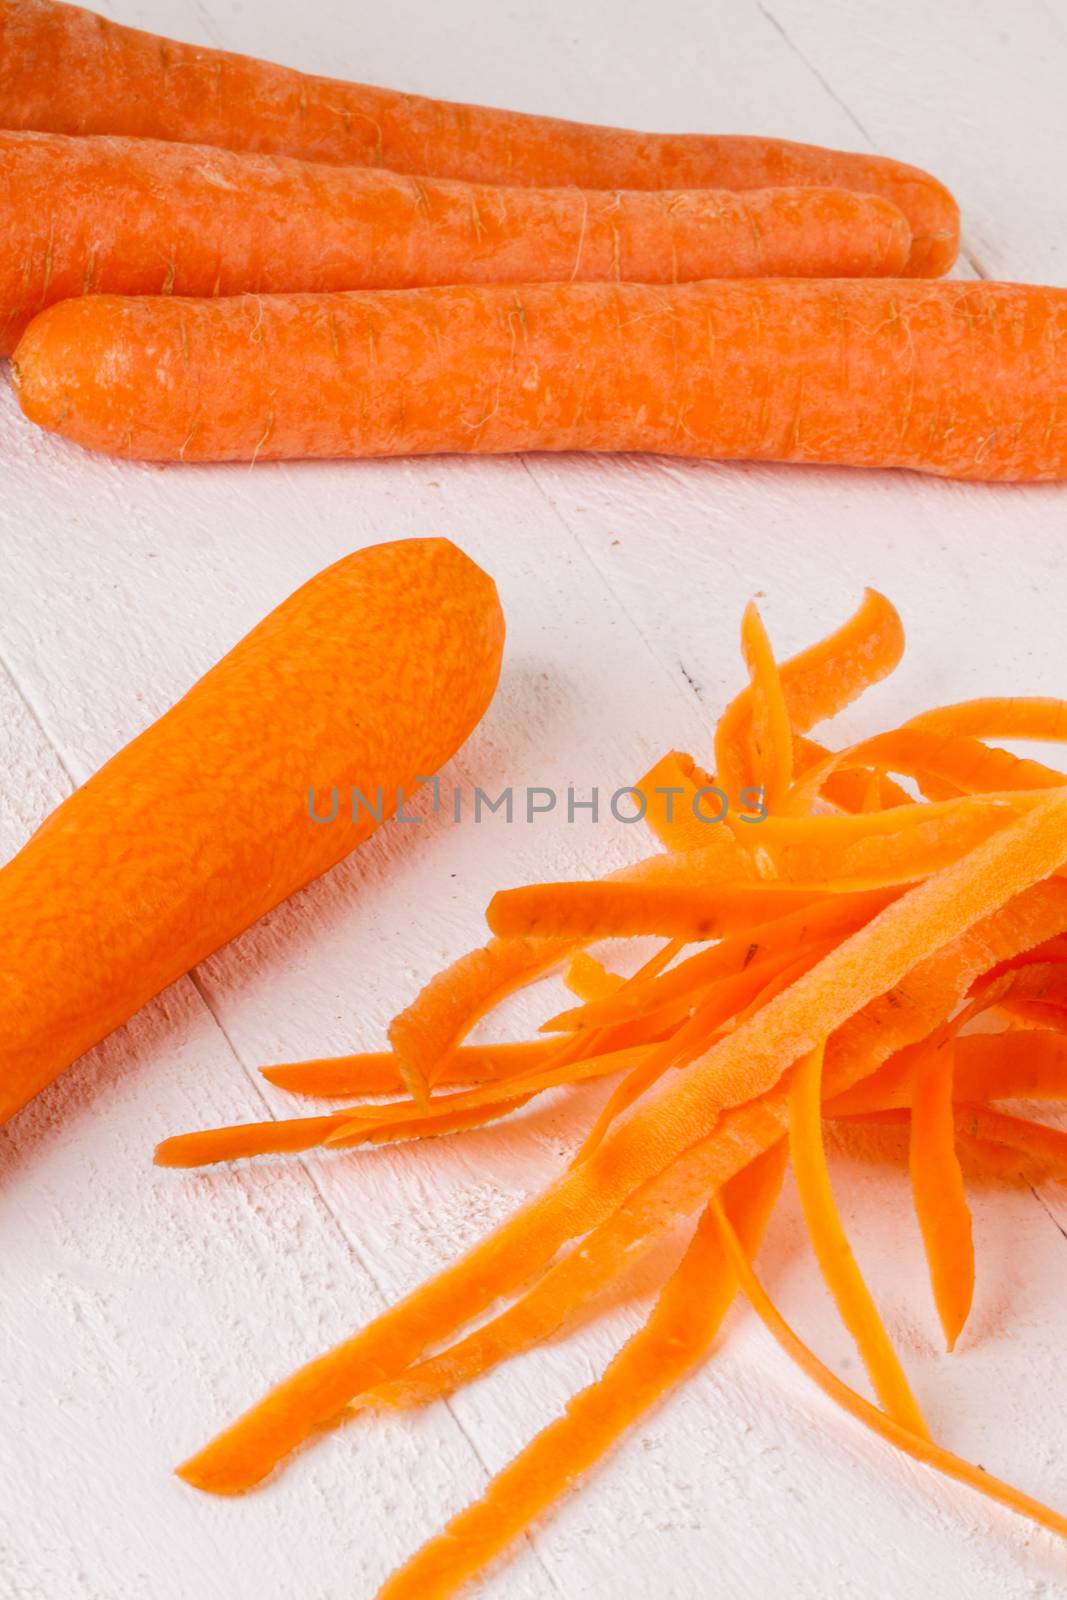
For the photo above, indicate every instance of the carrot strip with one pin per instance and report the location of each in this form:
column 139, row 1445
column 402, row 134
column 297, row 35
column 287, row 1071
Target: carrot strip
column 944, row 763
column 877, row 849
column 828, row 920
column 1045, row 1148
column 1012, row 1066
column 426, row 1034
column 912, row 1444
column 818, row 682
column 245, row 1139
column 369, row 1122
column 378, row 1071
column 680, row 1330
column 847, row 789
column 937, row 1187
column 588, row 1195
column 1044, row 1144
column 590, row 979
column 1037, row 717
column 771, row 734
column 833, row 1251
column 728, row 998
column 683, row 812
column 599, row 910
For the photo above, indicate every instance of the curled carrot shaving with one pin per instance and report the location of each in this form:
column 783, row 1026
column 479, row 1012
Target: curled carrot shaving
column 771, row 735
column 912, row 1444
column 833, row 1251
column 1037, row 717
column 937, row 1187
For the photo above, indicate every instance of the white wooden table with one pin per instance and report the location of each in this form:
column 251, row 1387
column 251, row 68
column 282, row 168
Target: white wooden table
column 142, row 1308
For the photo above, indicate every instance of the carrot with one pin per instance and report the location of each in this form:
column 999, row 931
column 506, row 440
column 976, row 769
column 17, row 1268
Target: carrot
column 378, row 1071
column 678, row 1333
column 827, row 920
column 65, row 70
column 772, row 733
column 833, row 1251
column 136, row 216
column 246, row 1139
column 937, row 1186
column 620, row 1174
column 603, row 910
column 911, row 1443
column 877, row 849
column 850, row 372
column 201, row 825
column 590, row 979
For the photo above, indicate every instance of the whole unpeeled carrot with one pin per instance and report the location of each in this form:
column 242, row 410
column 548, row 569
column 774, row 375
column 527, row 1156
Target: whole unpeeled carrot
column 137, row 216
column 962, row 379
column 67, row 70
column 370, row 675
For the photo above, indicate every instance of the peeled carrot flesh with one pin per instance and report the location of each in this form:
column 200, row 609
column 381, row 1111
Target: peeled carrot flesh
column 200, row 826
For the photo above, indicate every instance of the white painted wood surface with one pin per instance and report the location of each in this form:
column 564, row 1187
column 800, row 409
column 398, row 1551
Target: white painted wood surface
column 142, row 1308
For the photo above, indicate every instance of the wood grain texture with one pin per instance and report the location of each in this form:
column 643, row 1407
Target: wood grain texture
column 144, row 1307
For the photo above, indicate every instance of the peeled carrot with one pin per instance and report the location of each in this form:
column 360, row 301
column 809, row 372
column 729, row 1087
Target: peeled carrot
column 137, row 216
column 958, row 379
column 201, row 825
column 69, row 71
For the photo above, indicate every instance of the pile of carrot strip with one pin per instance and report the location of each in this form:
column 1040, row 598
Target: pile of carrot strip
column 888, row 944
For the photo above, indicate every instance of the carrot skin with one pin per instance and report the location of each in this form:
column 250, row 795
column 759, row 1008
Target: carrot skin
column 959, row 379
column 373, row 673
column 66, row 70
column 136, row 216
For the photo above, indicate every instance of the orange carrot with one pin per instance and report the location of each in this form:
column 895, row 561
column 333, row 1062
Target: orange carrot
column 833, row 1251
column 827, row 920
column 877, row 849
column 852, row 372
column 603, row 910
column 589, row 979
column 772, row 733
column 378, row 1071
column 911, row 1443
column 137, row 216
column 681, row 1327
column 600, row 1189
column 202, row 824
column 937, row 1186
column 66, row 70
